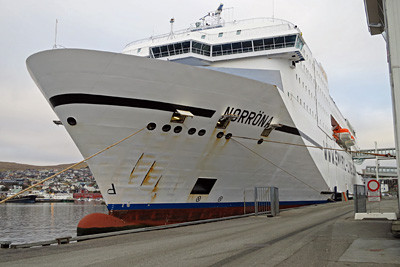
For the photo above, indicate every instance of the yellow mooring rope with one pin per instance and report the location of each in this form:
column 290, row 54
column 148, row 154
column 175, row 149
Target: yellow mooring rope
column 72, row 166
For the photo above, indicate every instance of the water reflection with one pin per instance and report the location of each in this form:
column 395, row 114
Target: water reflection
column 21, row 223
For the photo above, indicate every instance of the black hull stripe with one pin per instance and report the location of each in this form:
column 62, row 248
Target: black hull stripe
column 295, row 131
column 66, row 99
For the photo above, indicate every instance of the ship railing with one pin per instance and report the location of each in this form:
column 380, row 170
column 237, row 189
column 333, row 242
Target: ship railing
column 285, row 24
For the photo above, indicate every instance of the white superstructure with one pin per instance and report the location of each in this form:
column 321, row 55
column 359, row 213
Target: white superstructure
column 220, row 102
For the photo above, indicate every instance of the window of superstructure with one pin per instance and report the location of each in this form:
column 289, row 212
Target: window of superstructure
column 227, row 49
column 299, row 43
column 216, row 50
column 171, row 49
column 247, row 46
column 139, row 49
column 156, row 52
column 279, row 42
column 238, row 32
column 164, row 51
column 290, row 40
column 200, row 48
column 237, row 48
column 220, row 34
column 232, row 48
column 258, row 45
column 203, row 36
column 178, row 48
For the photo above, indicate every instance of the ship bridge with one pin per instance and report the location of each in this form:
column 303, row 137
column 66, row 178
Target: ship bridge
column 239, row 39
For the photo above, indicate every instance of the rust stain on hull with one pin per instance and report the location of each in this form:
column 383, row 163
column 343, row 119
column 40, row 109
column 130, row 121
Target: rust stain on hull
column 148, row 175
column 133, row 176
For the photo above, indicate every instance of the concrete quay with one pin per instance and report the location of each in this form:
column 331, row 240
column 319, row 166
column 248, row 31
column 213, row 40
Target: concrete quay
column 321, row 235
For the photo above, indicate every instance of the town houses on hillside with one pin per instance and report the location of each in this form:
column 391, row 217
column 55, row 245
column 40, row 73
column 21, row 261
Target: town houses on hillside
column 69, row 182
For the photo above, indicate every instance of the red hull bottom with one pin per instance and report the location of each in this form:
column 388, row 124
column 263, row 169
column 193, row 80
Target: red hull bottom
column 130, row 219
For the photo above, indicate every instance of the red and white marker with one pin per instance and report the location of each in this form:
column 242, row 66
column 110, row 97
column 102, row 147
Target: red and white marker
column 373, row 185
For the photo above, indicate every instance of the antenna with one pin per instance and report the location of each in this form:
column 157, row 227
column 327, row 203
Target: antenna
column 273, row 9
column 171, row 34
column 55, row 36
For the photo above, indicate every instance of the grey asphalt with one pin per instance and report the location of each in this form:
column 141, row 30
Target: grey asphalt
column 322, row 235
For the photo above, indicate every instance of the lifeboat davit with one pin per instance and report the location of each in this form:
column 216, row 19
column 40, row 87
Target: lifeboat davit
column 344, row 136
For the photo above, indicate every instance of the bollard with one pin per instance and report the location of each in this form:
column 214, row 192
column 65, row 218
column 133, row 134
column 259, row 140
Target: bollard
column 63, row 240
column 5, row 244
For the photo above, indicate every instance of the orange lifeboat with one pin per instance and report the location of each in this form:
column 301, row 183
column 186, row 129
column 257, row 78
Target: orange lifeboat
column 344, row 136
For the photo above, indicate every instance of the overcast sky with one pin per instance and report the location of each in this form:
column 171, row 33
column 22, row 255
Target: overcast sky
column 336, row 32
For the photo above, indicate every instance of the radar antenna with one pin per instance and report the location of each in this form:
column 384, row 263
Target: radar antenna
column 214, row 15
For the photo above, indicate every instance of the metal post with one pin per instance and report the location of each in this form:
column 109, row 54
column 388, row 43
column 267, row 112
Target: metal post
column 273, row 204
column 355, row 198
column 255, row 201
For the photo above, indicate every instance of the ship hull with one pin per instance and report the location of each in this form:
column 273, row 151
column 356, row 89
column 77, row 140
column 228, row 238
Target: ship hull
column 111, row 96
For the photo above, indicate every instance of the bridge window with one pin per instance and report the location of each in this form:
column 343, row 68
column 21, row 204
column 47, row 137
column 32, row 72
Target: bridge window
column 227, row 48
column 232, row 48
column 290, row 40
column 299, row 43
column 171, row 49
column 200, row 48
column 279, row 42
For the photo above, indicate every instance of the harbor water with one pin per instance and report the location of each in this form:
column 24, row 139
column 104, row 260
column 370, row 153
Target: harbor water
column 22, row 223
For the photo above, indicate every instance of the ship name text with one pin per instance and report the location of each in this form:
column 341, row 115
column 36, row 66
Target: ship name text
column 249, row 117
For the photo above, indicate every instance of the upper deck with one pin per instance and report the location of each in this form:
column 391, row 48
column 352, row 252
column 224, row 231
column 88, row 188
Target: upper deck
column 223, row 41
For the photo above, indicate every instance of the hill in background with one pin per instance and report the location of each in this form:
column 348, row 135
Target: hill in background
column 12, row 166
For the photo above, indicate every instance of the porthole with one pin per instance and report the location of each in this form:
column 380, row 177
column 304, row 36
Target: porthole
column 71, row 121
column 260, row 141
column 151, row 126
column 177, row 129
column 166, row 128
column 202, row 132
column 220, row 134
column 192, row 131
column 228, row 136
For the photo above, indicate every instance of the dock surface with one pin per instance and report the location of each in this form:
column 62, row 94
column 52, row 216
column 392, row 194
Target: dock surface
column 320, row 235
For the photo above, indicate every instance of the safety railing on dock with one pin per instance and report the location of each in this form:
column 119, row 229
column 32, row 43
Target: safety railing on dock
column 266, row 200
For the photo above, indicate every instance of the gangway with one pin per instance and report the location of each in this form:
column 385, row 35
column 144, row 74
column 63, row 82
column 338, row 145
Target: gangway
column 383, row 172
column 382, row 153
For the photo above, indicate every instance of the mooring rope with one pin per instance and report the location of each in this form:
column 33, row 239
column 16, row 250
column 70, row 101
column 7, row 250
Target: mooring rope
column 290, row 174
column 72, row 166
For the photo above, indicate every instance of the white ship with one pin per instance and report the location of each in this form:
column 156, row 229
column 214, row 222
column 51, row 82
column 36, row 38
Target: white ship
column 225, row 107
